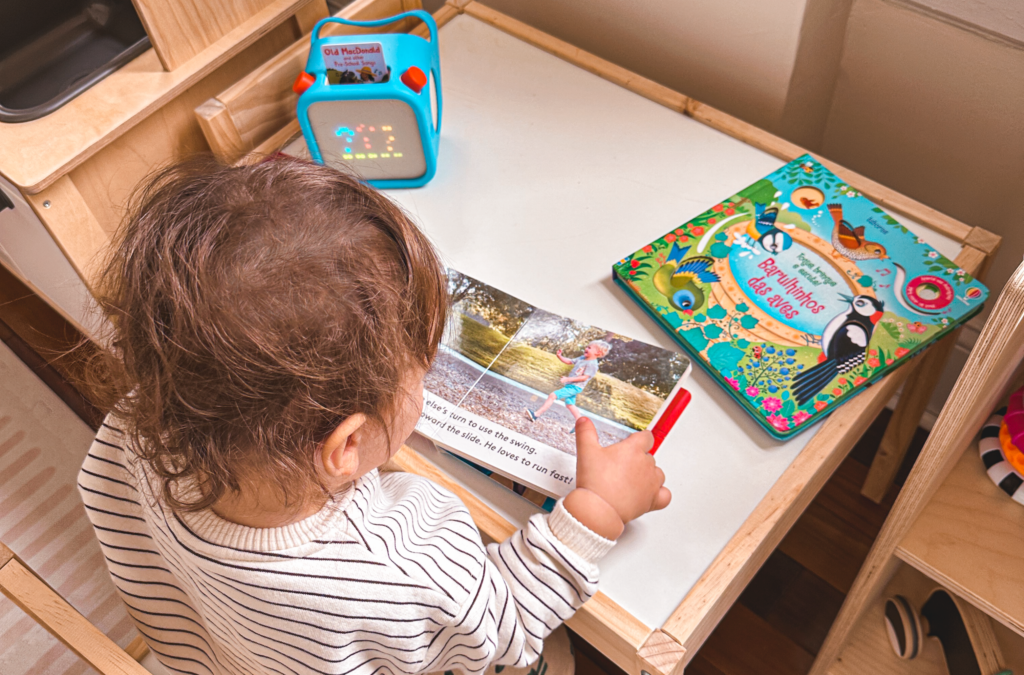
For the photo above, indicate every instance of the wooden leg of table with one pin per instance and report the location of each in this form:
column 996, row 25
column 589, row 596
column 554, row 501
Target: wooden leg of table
column 660, row 653
column 918, row 390
column 913, row 401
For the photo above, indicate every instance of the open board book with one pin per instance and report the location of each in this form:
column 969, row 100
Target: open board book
column 797, row 292
column 510, row 378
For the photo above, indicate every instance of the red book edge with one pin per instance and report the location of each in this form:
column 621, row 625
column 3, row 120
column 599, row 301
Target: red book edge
column 669, row 417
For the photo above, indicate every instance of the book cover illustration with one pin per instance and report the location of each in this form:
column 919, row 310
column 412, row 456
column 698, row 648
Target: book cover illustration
column 797, row 292
column 510, row 379
column 355, row 63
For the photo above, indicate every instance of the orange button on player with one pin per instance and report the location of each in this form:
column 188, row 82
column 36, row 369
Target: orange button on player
column 414, row 78
column 303, row 82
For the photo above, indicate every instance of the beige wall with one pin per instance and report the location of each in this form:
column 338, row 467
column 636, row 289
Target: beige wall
column 924, row 99
column 733, row 54
column 935, row 110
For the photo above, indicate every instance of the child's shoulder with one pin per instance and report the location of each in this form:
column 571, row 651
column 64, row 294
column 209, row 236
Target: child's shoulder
column 107, row 451
column 427, row 502
column 106, row 481
column 403, row 485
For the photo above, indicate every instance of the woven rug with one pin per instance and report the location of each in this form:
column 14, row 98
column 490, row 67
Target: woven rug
column 42, row 446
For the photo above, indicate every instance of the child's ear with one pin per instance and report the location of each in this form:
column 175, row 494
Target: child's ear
column 339, row 454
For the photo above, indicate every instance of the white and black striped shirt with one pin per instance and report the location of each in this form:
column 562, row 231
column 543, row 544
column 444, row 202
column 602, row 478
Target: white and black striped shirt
column 390, row 577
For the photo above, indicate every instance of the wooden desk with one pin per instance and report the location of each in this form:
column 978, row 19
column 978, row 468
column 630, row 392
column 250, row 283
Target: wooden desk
column 549, row 173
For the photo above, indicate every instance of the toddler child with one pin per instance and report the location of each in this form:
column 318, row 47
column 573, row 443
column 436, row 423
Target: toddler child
column 272, row 326
column 583, row 370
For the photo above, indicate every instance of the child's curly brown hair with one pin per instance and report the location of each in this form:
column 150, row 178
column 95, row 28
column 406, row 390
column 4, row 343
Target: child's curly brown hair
column 254, row 308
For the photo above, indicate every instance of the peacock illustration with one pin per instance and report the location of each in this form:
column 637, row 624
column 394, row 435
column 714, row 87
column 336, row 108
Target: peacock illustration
column 678, row 279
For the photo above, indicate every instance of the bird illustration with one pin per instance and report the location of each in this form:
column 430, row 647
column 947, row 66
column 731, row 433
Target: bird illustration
column 844, row 344
column 763, row 229
column 850, row 241
column 677, row 279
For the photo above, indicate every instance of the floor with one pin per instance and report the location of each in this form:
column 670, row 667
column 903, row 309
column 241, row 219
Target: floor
column 42, row 444
column 781, row 620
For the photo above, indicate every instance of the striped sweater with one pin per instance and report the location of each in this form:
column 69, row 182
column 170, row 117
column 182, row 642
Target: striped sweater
column 390, row 577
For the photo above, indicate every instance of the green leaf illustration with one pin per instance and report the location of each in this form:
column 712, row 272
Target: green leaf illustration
column 719, row 250
column 892, row 330
column 696, row 338
column 717, row 312
column 724, row 357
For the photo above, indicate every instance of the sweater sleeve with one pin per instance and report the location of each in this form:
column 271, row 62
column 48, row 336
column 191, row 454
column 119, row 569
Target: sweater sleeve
column 528, row 585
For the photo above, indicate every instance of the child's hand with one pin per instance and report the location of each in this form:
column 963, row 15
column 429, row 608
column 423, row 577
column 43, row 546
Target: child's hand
column 563, row 380
column 558, row 353
column 622, row 476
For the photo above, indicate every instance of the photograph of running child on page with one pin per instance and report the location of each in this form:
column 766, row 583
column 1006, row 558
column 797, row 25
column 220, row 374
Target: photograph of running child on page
column 502, row 356
column 583, row 370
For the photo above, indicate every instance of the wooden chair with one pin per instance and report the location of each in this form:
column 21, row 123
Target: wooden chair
column 261, row 106
column 950, row 525
column 37, row 599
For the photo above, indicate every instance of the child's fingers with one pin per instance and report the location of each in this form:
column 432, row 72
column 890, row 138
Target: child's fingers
column 586, row 435
column 662, row 499
column 643, row 440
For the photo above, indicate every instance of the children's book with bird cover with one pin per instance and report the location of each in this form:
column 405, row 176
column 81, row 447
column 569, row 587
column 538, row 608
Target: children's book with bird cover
column 510, row 380
column 797, row 292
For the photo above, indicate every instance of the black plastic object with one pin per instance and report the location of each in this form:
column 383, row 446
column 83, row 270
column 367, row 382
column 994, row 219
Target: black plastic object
column 945, row 623
column 53, row 50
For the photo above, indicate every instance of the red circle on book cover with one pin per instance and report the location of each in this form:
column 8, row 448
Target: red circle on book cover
column 930, row 292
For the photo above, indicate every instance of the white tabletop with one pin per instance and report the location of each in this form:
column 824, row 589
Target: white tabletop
column 546, row 176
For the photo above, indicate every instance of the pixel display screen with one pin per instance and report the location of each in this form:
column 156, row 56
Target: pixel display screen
column 378, row 139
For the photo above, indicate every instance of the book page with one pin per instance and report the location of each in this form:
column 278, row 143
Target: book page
column 510, row 380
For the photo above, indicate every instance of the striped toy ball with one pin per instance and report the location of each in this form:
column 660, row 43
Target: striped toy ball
column 999, row 470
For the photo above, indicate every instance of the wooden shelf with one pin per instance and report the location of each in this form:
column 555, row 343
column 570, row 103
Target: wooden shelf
column 970, row 539
column 37, row 153
column 867, row 652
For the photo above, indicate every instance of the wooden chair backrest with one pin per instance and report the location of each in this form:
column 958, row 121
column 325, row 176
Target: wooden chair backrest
column 180, row 30
column 35, row 597
column 248, row 113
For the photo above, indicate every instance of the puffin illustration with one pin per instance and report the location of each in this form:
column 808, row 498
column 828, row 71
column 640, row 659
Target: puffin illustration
column 763, row 229
column 844, row 344
column 677, row 279
column 850, row 241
